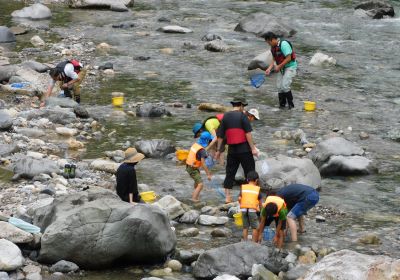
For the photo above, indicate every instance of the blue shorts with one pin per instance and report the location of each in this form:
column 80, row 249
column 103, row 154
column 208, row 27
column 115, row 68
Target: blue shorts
column 301, row 208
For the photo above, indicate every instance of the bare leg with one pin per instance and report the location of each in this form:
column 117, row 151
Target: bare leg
column 255, row 235
column 301, row 224
column 228, row 197
column 196, row 192
column 279, row 239
column 293, row 228
column 245, row 234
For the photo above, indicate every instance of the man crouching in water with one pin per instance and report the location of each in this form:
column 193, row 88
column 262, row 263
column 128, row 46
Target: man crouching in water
column 69, row 74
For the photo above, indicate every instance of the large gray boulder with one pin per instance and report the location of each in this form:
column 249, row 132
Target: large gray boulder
column 8, row 149
column 261, row 61
column 10, row 256
column 376, row 9
column 338, row 156
column 6, row 121
column 95, row 229
column 172, row 207
column 114, row 5
column 261, row 23
column 216, row 46
column 37, row 66
column 155, row 148
column 55, row 115
column 7, row 71
column 234, row 259
column 6, row 36
column 347, row 264
column 35, row 12
column 27, row 167
column 149, row 110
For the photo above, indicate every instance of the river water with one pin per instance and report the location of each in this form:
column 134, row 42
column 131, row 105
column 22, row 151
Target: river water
column 360, row 93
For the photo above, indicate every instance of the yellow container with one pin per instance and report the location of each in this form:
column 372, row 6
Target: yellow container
column 118, row 101
column 309, row 105
column 238, row 219
column 182, row 154
column 148, row 197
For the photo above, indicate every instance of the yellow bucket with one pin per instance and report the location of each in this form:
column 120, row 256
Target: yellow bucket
column 182, row 154
column 148, row 197
column 309, row 105
column 238, row 219
column 118, row 101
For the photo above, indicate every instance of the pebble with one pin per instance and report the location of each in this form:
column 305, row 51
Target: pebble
column 174, row 265
column 189, row 232
column 363, row 135
column 320, row 219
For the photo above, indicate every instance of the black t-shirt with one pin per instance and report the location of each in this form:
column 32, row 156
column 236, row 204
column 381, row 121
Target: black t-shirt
column 235, row 119
column 126, row 182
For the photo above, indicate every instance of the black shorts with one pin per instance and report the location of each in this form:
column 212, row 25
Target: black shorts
column 270, row 219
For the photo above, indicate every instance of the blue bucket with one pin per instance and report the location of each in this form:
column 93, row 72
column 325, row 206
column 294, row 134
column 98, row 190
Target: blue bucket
column 257, row 80
column 268, row 234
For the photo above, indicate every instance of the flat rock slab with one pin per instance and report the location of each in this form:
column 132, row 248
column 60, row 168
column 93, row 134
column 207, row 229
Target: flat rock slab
column 14, row 234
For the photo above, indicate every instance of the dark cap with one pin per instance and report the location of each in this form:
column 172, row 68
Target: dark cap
column 240, row 100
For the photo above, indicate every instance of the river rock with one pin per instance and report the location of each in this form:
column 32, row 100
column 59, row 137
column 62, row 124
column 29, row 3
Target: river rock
column 212, row 107
column 394, row 134
column 28, row 167
column 4, row 275
column 188, row 257
column 308, row 258
column 114, row 5
column 62, row 102
column 369, row 239
column 259, row 272
column 65, row 131
column 37, row 66
column 37, row 42
column 155, row 148
column 190, row 217
column 6, row 121
column 207, row 220
column 211, row 37
column 171, row 206
column 347, row 165
column 8, row 149
column 174, row 265
column 189, row 232
column 347, row 264
column 6, row 36
column 320, row 59
column 64, row 267
column 226, row 277
column 261, row 23
column 14, row 234
column 81, row 112
column 297, row 272
column 54, row 115
column 34, row 12
column 216, row 46
column 221, row 232
column 241, row 258
column 7, row 71
column 261, row 61
column 30, row 132
column 104, row 165
column 33, row 276
column 98, row 223
column 10, row 256
column 376, row 9
column 175, row 29
column 150, row 110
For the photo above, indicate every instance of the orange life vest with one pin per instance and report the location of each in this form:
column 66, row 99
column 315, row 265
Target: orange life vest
column 278, row 201
column 249, row 196
column 191, row 159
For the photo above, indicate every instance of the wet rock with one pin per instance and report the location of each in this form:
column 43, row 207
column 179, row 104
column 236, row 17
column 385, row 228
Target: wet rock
column 18, row 30
column 6, row 121
column 347, row 264
column 37, row 66
column 190, row 232
column 150, row 110
column 320, row 59
column 34, row 12
column 207, row 220
column 124, row 25
column 215, row 262
column 261, row 23
column 114, row 5
column 369, row 239
column 259, row 272
column 208, row 210
column 98, row 223
column 216, row 46
column 54, row 115
column 174, row 265
column 6, row 36
column 211, row 37
column 81, row 112
column 221, row 232
column 226, row 277
column 187, row 257
column 261, row 61
column 189, row 217
column 27, row 167
column 64, row 267
column 10, row 256
column 104, row 165
column 175, row 29
column 37, row 42
column 297, row 272
column 394, row 134
column 172, row 207
column 363, row 135
column 376, row 9
column 14, row 234
column 155, row 148
column 107, row 65
column 211, row 107
column 142, row 58
column 347, row 165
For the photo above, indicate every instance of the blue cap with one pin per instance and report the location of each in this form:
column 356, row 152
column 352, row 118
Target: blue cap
column 196, row 128
column 205, row 138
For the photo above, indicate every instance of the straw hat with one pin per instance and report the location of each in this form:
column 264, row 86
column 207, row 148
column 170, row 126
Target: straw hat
column 255, row 113
column 132, row 156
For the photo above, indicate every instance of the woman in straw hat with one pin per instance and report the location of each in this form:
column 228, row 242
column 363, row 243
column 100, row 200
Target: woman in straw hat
column 127, row 188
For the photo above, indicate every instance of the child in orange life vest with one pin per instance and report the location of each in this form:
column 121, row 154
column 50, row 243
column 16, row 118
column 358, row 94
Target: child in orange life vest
column 195, row 160
column 250, row 202
column 274, row 208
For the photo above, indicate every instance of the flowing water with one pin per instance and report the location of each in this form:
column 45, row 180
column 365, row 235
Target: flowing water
column 360, row 92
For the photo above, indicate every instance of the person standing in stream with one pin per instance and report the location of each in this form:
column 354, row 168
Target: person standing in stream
column 285, row 64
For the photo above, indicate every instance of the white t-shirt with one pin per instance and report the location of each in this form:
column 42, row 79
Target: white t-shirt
column 69, row 72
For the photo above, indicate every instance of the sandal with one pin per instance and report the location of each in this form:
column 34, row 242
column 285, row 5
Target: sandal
column 301, row 232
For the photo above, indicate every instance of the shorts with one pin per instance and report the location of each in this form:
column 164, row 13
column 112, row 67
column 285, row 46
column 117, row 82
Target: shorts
column 250, row 219
column 270, row 219
column 194, row 174
column 301, row 208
